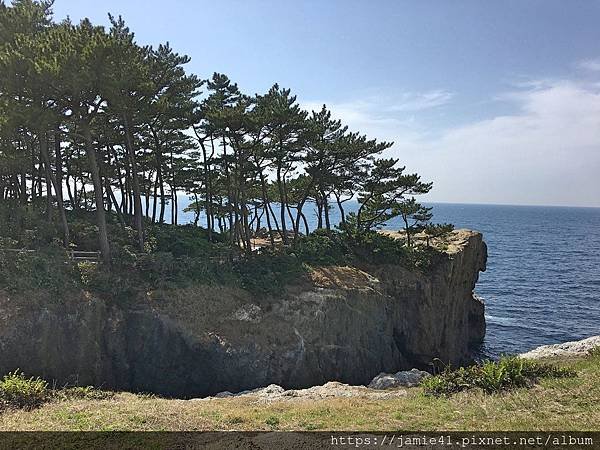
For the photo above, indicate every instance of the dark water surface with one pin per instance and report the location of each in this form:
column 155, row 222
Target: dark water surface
column 542, row 284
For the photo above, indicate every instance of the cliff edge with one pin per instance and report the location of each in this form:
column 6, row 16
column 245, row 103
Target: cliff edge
column 338, row 324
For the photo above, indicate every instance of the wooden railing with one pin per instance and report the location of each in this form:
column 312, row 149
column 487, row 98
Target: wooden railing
column 74, row 255
column 79, row 256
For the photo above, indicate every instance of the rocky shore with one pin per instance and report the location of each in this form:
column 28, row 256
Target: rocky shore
column 387, row 386
column 565, row 349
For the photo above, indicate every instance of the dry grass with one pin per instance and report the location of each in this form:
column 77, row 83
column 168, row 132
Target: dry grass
column 554, row 404
column 341, row 278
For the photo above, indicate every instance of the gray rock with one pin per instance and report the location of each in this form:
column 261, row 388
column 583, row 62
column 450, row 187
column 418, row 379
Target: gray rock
column 224, row 394
column 408, row 378
column 566, row 349
column 332, row 389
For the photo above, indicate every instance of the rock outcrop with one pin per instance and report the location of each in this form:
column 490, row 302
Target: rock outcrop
column 405, row 378
column 331, row 389
column 343, row 324
column 565, row 349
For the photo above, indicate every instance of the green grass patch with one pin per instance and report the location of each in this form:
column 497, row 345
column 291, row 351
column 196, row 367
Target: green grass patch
column 509, row 372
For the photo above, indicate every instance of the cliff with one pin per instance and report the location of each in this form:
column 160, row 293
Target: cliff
column 341, row 323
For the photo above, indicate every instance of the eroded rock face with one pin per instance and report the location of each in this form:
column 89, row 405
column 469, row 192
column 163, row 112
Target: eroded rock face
column 345, row 325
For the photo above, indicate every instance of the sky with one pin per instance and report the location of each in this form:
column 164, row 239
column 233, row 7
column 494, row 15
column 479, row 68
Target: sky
column 495, row 102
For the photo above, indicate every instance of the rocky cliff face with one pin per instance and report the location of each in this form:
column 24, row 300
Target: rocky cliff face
column 343, row 324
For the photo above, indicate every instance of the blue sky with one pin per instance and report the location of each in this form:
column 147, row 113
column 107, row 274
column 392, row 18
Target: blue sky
column 496, row 102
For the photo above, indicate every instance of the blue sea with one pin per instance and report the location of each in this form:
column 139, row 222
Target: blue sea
column 542, row 283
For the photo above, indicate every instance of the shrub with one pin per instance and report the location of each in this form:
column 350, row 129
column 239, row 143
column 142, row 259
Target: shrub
column 17, row 391
column 321, row 248
column 492, row 376
column 47, row 268
column 183, row 240
column 268, row 272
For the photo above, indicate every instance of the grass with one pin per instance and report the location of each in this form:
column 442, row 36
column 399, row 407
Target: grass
column 562, row 403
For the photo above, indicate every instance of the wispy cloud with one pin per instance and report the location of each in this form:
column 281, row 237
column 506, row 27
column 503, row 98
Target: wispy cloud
column 391, row 118
column 403, row 102
column 420, row 101
column 592, row 65
column 547, row 151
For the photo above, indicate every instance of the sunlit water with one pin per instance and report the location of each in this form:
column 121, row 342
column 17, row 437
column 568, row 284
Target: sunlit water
column 543, row 277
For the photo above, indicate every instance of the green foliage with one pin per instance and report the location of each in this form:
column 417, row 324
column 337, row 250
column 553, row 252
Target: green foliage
column 47, row 268
column 113, row 122
column 376, row 248
column 321, row 248
column 111, row 282
column 509, row 372
column 17, row 391
column 25, row 227
column 268, row 272
column 184, row 240
column 437, row 231
column 272, row 421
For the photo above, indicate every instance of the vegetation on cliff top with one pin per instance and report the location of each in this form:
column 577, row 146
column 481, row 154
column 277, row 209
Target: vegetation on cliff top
column 176, row 256
column 99, row 134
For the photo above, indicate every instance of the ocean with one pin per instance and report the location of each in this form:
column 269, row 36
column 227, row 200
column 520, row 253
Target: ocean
column 542, row 283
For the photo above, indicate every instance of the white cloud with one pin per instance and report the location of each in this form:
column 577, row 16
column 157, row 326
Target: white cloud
column 546, row 152
column 420, row 102
column 590, row 64
column 371, row 118
column 386, row 118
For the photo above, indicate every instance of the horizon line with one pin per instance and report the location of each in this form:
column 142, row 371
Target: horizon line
column 512, row 204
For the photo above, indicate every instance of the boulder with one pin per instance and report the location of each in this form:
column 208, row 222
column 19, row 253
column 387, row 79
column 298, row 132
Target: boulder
column 331, row 389
column 407, row 378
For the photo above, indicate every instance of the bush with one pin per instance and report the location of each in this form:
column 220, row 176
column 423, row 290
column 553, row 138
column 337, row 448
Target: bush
column 321, row 248
column 268, row 272
column 492, row 376
column 183, row 240
column 48, row 268
column 17, row 391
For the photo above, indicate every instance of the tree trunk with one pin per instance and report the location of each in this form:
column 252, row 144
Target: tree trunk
column 341, row 208
column 111, row 195
column 208, row 189
column 284, row 236
column 326, row 211
column 57, row 186
column 100, row 214
column 137, row 199
column 265, row 199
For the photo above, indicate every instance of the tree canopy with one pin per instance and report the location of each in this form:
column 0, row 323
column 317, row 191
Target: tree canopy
column 90, row 119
